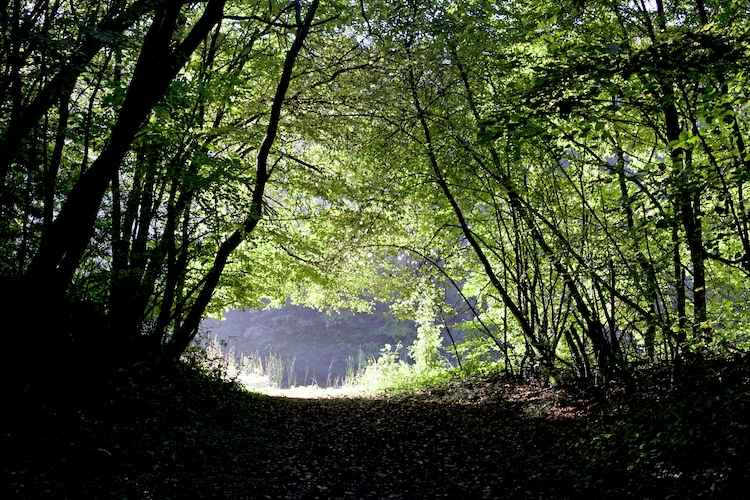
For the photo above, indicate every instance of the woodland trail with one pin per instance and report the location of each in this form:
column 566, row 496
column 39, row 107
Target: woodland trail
column 470, row 439
column 474, row 444
column 485, row 439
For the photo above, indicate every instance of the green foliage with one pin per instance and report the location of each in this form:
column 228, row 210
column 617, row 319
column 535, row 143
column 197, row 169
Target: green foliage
column 568, row 183
column 426, row 348
column 577, row 177
column 386, row 371
column 559, row 203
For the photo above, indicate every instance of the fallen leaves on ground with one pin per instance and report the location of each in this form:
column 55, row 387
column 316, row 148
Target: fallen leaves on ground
column 437, row 444
column 471, row 438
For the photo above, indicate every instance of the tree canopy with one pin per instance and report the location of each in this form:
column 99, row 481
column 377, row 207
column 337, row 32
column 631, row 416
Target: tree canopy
column 574, row 172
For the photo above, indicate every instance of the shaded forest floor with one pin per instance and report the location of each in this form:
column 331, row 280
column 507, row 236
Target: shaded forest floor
column 188, row 436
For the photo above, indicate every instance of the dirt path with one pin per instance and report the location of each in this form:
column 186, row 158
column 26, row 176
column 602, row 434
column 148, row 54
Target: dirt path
column 483, row 445
column 472, row 439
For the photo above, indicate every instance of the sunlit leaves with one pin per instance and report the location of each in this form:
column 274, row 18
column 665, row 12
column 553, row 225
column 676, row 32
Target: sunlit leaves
column 543, row 150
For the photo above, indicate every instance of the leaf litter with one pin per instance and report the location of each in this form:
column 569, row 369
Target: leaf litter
column 469, row 438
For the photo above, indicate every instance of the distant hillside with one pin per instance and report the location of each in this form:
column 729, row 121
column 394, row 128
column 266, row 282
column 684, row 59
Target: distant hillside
column 318, row 343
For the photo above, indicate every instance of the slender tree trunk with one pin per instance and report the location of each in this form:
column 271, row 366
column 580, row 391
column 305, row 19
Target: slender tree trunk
column 690, row 210
column 686, row 198
column 52, row 169
column 651, row 286
column 189, row 328
column 27, row 116
column 539, row 348
column 680, row 295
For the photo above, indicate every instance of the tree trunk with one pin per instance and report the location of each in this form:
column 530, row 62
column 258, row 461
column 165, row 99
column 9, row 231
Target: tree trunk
column 651, row 286
column 189, row 328
column 25, row 117
column 52, row 269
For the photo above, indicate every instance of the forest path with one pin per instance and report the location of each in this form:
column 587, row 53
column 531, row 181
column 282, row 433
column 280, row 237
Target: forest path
column 470, row 439
column 478, row 441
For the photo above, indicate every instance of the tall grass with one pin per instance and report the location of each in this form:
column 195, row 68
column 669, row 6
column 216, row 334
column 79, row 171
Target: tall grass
column 395, row 369
column 259, row 371
column 291, row 374
column 354, row 367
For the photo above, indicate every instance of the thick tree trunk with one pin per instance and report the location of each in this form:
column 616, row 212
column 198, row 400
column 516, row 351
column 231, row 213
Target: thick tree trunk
column 52, row 269
column 63, row 246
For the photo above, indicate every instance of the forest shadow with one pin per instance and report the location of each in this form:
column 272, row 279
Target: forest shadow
column 199, row 437
column 512, row 442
